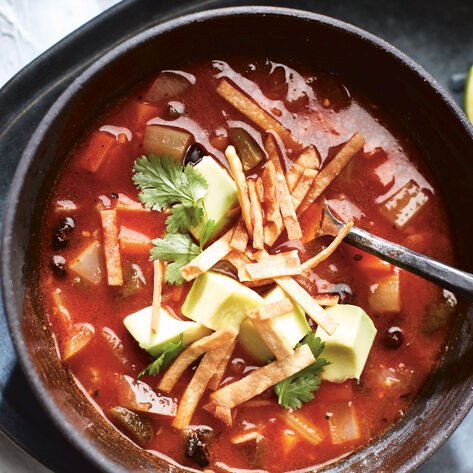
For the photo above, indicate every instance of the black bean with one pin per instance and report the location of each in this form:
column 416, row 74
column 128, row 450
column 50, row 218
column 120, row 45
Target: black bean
column 393, row 338
column 59, row 241
column 58, row 265
column 194, row 154
column 66, row 225
column 197, row 448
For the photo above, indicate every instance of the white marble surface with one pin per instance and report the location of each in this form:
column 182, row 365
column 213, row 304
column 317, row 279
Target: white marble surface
column 28, row 28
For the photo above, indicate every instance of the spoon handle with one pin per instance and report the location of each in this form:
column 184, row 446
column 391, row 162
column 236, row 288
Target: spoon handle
column 445, row 276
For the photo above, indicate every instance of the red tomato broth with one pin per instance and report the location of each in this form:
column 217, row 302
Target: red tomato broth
column 326, row 117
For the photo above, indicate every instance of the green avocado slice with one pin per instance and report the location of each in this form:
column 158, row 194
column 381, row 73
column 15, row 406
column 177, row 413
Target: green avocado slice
column 349, row 346
column 170, row 330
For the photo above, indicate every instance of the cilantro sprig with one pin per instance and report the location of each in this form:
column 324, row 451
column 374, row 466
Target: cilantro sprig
column 170, row 353
column 177, row 249
column 165, row 184
column 299, row 388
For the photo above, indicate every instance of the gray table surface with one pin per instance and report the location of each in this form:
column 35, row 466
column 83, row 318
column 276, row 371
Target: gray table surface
column 29, row 27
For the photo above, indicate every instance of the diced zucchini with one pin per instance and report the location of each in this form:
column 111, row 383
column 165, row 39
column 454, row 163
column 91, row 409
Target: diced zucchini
column 247, row 148
column 166, row 141
column 385, row 295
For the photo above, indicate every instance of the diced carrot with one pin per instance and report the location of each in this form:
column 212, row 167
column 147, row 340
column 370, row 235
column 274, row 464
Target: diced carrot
column 372, row 263
column 111, row 248
column 126, row 204
column 82, row 335
column 140, row 113
column 97, row 150
column 133, row 242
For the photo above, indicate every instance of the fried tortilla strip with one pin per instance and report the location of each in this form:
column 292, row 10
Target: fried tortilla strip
column 303, row 186
column 239, row 240
column 327, row 300
column 238, row 259
column 288, row 213
column 196, row 388
column 260, row 189
column 272, row 266
column 324, row 254
column 208, row 258
column 262, row 319
column 271, row 309
column 258, row 381
column 256, row 215
column 157, row 290
column 308, row 159
column 255, row 113
column 216, row 340
column 217, row 377
column 278, row 345
column 236, row 169
column 111, row 247
column 308, row 303
column 332, row 170
column 274, row 223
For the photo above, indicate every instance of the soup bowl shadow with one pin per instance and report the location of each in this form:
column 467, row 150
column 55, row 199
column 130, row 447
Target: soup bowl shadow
column 412, row 97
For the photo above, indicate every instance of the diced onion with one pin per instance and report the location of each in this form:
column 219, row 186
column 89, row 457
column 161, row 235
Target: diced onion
column 81, row 337
column 404, row 204
column 88, row 263
column 168, row 85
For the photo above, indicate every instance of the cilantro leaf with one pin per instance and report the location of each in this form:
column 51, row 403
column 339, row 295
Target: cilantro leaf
column 182, row 218
column 163, row 182
column 299, row 388
column 177, row 249
column 170, row 353
column 207, row 232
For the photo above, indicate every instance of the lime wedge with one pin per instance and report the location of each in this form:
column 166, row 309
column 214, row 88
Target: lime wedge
column 468, row 100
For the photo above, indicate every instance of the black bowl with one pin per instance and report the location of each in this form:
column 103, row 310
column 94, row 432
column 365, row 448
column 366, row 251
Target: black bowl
column 395, row 82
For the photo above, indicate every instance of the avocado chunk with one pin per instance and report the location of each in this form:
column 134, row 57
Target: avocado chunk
column 221, row 195
column 293, row 326
column 217, row 301
column 349, row 346
column 170, row 330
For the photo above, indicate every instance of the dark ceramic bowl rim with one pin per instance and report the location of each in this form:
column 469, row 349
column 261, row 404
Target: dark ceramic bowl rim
column 29, row 154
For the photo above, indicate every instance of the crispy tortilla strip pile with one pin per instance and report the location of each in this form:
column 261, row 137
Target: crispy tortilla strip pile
column 236, row 169
column 324, row 254
column 262, row 319
column 234, row 394
column 255, row 113
column 332, row 170
column 274, row 223
column 256, row 215
column 283, row 195
column 209, row 257
column 190, row 354
column 218, row 348
column 308, row 303
column 239, row 240
column 271, row 266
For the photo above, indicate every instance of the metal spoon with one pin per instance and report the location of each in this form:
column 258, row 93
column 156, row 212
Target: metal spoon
column 445, row 276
